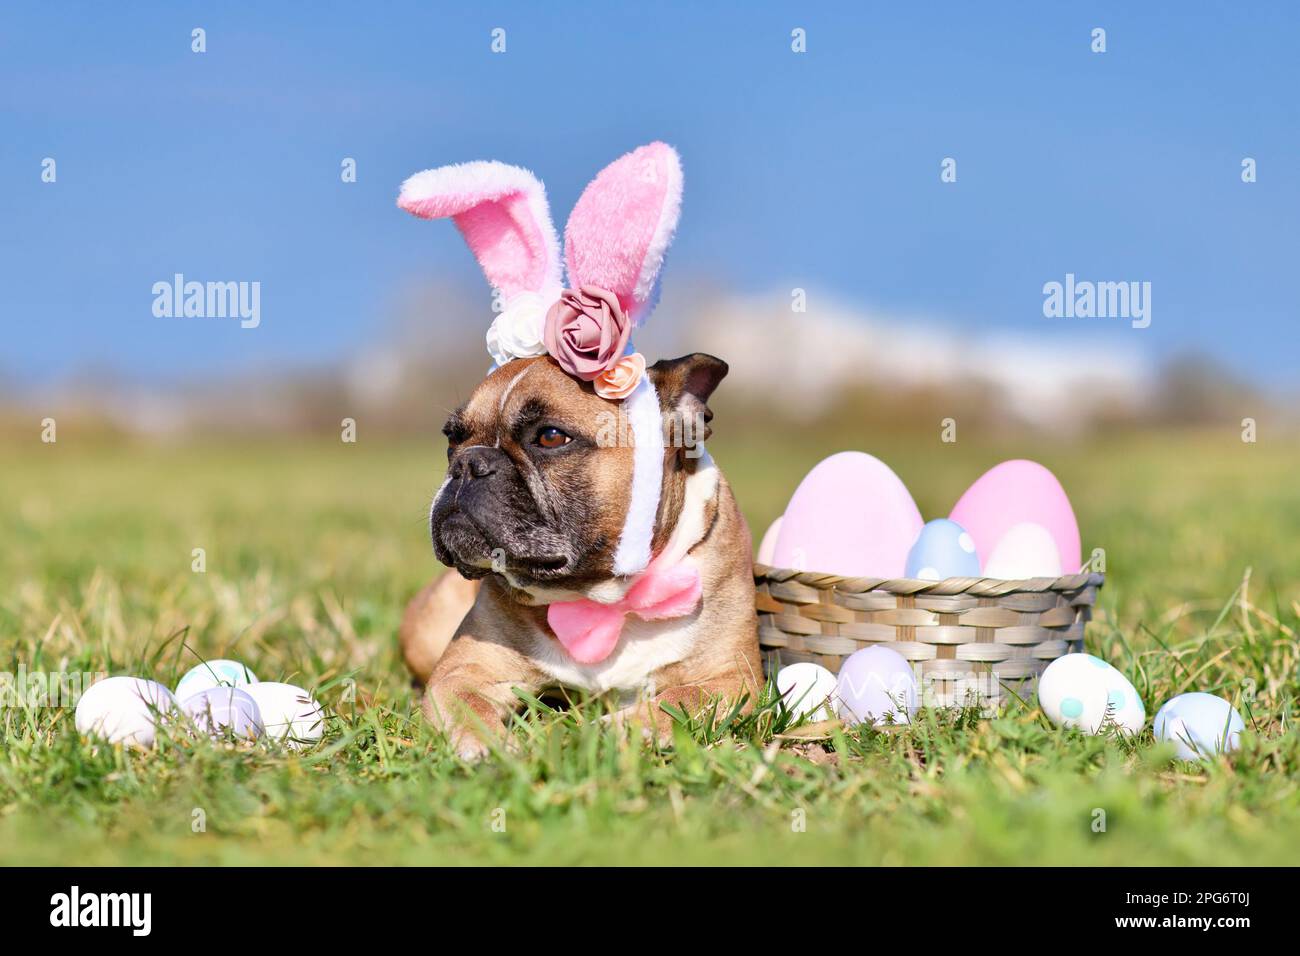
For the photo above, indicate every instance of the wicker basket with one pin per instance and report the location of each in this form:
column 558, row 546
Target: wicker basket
column 970, row 640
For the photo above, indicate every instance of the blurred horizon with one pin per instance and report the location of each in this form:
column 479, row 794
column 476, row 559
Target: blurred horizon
column 817, row 171
column 857, row 375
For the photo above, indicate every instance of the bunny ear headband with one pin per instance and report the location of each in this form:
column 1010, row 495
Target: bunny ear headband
column 614, row 245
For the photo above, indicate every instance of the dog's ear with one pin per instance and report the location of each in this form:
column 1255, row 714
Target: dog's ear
column 684, row 386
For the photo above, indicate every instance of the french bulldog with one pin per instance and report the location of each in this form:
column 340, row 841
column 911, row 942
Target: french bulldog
column 531, row 510
column 587, row 554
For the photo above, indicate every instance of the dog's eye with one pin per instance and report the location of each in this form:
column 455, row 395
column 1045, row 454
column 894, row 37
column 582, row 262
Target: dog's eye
column 550, row 437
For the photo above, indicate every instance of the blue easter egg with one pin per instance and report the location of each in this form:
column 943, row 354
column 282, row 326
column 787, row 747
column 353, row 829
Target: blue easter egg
column 943, row 549
column 1199, row 725
column 214, row 673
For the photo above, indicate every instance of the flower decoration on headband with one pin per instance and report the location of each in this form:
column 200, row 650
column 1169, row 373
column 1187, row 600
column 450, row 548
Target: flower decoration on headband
column 587, row 332
column 621, row 379
column 517, row 332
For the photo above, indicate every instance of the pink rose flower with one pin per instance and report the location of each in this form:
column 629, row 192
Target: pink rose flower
column 618, row 381
column 586, row 331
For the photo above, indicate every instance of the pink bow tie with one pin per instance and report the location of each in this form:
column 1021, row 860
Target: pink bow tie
column 590, row 630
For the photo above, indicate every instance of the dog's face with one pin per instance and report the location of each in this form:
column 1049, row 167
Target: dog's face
column 539, row 472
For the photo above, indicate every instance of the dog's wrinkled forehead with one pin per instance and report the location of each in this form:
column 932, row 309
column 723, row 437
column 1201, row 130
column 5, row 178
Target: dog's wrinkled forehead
column 521, row 394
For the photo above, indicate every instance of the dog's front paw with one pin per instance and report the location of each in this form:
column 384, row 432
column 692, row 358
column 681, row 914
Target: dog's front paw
column 638, row 716
column 468, row 747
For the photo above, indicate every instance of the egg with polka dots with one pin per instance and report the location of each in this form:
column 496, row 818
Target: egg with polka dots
column 214, row 673
column 943, row 549
column 1083, row 691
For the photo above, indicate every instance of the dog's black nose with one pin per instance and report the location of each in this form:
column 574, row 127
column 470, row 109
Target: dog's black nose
column 477, row 462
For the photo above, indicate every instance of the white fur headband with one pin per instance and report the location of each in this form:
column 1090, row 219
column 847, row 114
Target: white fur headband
column 614, row 246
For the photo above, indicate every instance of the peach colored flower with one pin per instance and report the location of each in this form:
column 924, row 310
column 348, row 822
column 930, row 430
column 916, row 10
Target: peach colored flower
column 618, row 381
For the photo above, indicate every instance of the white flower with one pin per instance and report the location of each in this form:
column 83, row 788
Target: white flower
column 517, row 331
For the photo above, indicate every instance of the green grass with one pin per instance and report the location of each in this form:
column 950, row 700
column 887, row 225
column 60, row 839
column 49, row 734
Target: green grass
column 312, row 549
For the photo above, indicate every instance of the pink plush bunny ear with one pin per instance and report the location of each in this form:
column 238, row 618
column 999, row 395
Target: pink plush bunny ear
column 621, row 227
column 502, row 213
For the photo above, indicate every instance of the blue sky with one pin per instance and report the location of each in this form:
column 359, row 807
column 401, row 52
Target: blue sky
column 818, row 170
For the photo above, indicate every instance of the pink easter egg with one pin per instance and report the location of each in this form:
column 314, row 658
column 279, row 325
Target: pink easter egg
column 851, row 515
column 767, row 547
column 1019, row 492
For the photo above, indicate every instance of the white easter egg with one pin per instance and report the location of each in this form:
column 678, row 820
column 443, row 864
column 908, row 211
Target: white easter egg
column 288, row 712
column 876, row 684
column 123, row 710
column 216, row 673
column 1027, row 550
column 807, row 688
column 217, row 710
column 1199, row 725
column 1083, row 691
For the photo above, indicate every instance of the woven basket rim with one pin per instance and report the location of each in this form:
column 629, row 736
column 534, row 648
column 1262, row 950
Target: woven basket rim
column 980, row 587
